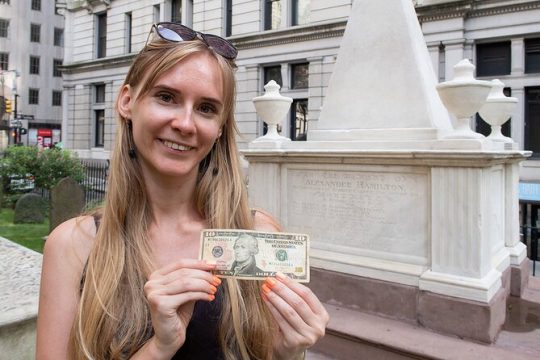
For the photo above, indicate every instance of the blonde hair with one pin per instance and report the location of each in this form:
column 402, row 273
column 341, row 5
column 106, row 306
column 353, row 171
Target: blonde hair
column 113, row 318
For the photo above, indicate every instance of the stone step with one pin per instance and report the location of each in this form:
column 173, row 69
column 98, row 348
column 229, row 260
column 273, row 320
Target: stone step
column 356, row 335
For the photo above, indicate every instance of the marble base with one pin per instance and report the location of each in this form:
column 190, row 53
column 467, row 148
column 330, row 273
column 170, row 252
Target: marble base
column 519, row 277
column 459, row 317
column 463, row 318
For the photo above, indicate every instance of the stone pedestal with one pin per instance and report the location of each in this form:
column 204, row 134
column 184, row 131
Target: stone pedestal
column 415, row 231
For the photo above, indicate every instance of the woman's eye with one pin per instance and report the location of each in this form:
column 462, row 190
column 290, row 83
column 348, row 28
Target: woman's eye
column 164, row 97
column 207, row 108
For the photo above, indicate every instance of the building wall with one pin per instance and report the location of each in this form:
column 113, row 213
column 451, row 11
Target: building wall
column 457, row 25
column 20, row 48
column 454, row 29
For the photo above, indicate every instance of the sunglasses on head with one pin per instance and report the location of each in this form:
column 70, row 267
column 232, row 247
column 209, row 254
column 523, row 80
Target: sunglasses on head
column 177, row 33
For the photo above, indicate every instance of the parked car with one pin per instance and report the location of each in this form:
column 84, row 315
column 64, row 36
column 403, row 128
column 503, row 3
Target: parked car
column 21, row 184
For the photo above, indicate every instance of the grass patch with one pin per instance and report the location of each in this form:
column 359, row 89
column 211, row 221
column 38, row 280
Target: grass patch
column 27, row 235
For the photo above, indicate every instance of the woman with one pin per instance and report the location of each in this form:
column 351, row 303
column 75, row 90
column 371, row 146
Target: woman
column 124, row 282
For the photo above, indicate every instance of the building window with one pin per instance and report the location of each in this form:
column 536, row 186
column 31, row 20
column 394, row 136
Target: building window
column 4, row 61
column 493, row 59
column 300, row 11
column 101, row 20
column 35, row 32
column 272, row 14
column 33, row 96
column 273, row 73
column 36, row 5
column 128, row 23
column 228, row 18
column 58, row 37
column 532, row 55
column 157, row 13
column 299, row 112
column 100, row 128
column 56, row 98
column 176, row 11
column 100, row 94
column 56, row 70
column 442, row 62
column 300, row 76
column 532, row 120
column 4, row 26
column 34, row 65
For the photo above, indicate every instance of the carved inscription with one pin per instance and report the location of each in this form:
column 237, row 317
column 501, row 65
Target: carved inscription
column 378, row 211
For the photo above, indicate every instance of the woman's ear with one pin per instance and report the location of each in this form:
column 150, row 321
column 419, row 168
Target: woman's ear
column 125, row 101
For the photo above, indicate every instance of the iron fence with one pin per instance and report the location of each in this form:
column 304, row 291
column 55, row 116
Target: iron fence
column 95, row 180
column 530, row 229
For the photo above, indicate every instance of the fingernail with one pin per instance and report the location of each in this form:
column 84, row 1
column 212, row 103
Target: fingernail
column 211, row 297
column 281, row 276
column 216, row 281
column 214, row 289
column 266, row 289
column 271, row 282
column 263, row 295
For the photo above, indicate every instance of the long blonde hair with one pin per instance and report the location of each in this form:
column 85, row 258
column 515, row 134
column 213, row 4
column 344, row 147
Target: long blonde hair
column 113, row 318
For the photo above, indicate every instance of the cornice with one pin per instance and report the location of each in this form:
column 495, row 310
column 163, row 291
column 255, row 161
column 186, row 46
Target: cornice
column 470, row 9
column 97, row 64
column 289, row 35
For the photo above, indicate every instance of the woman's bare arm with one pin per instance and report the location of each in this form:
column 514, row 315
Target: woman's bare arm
column 65, row 253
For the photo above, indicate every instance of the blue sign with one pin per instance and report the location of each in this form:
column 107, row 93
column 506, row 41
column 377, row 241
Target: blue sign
column 529, row 191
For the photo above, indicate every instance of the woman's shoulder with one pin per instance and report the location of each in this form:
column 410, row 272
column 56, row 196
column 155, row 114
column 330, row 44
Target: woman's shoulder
column 72, row 241
column 264, row 221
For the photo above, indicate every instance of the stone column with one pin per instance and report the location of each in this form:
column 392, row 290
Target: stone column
column 518, row 119
column 315, row 91
column 518, row 57
column 454, row 50
column 461, row 252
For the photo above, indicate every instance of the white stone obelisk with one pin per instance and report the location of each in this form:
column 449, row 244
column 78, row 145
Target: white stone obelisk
column 383, row 84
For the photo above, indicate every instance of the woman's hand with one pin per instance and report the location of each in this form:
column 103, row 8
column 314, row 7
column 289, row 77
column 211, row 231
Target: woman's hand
column 300, row 316
column 171, row 293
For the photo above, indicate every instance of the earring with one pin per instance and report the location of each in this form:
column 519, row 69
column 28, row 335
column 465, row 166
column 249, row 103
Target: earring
column 131, row 151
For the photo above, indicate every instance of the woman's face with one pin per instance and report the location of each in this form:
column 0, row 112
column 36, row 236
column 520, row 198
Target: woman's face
column 178, row 121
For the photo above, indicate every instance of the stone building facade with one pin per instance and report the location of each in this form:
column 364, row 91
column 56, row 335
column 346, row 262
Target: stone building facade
column 31, row 52
column 294, row 42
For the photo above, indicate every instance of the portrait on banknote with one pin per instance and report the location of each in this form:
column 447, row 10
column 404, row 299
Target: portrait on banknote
column 255, row 255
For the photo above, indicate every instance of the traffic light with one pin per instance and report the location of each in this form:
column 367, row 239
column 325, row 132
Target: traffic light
column 9, row 106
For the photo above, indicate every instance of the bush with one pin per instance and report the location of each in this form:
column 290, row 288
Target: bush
column 56, row 164
column 48, row 166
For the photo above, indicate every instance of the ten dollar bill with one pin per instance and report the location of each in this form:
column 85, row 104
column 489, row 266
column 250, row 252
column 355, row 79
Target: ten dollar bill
column 255, row 255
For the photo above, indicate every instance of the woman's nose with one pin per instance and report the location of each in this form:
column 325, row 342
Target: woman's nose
column 184, row 122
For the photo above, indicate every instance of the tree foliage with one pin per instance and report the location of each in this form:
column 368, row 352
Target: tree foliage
column 47, row 166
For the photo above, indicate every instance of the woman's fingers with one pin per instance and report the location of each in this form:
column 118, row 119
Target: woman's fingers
column 304, row 292
column 300, row 299
column 288, row 318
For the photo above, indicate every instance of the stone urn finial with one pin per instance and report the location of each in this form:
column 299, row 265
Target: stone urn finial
column 463, row 96
column 497, row 110
column 272, row 108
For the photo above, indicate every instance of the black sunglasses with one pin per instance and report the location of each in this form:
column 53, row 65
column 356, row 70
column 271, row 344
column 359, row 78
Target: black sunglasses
column 177, row 33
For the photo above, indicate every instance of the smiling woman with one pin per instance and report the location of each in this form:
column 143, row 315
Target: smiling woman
column 125, row 282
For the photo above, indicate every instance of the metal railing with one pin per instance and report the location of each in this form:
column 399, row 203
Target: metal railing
column 529, row 226
column 95, row 180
